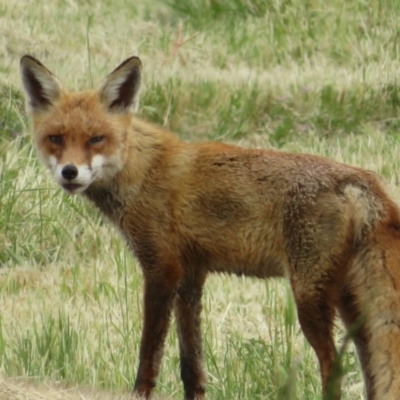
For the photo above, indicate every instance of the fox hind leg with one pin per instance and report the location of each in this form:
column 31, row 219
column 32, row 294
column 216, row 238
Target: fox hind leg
column 352, row 318
column 316, row 311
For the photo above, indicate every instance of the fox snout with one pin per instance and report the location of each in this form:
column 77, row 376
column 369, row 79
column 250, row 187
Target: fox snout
column 69, row 172
column 71, row 177
column 75, row 177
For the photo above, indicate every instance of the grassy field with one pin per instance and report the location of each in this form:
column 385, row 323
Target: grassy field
column 305, row 76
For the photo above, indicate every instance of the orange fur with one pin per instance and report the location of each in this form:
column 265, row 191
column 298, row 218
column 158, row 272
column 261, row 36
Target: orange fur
column 190, row 209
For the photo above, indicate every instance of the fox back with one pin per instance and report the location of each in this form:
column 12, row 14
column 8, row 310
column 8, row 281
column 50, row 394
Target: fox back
column 190, row 209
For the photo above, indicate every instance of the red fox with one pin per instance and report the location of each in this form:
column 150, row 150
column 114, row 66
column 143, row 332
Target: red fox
column 188, row 210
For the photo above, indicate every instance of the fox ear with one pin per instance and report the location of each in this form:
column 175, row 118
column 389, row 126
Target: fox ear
column 42, row 88
column 121, row 87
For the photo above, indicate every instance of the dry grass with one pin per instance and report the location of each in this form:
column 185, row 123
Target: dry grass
column 24, row 389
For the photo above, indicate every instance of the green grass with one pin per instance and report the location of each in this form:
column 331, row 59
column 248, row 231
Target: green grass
column 303, row 76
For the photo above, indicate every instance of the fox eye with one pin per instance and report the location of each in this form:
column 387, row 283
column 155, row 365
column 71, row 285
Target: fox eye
column 56, row 139
column 96, row 139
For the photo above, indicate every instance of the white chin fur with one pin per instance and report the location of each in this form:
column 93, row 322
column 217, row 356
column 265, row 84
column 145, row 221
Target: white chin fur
column 74, row 190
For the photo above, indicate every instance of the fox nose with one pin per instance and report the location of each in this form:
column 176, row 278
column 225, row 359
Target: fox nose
column 69, row 172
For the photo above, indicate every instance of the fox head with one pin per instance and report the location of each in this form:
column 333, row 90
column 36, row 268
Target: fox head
column 81, row 136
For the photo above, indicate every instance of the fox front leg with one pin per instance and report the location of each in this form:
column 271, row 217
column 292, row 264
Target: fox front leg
column 158, row 298
column 187, row 312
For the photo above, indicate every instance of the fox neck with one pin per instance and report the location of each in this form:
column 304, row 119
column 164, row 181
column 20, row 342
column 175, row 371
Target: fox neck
column 146, row 146
column 107, row 200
